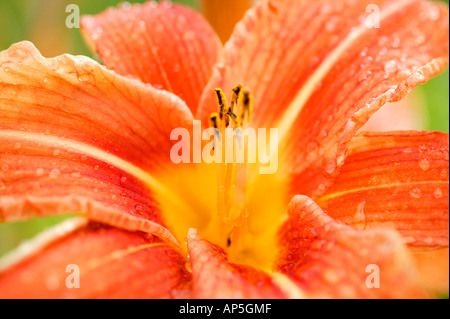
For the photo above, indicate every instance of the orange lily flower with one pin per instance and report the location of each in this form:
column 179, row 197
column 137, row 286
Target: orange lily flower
column 79, row 137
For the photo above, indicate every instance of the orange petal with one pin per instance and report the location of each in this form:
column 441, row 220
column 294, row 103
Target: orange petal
column 215, row 277
column 169, row 46
column 318, row 72
column 328, row 259
column 397, row 180
column 75, row 99
column 75, row 136
column 40, row 180
column 111, row 263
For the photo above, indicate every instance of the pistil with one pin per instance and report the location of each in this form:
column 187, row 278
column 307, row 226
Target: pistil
column 232, row 174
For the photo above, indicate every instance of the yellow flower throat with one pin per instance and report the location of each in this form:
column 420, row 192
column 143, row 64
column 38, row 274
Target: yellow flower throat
column 244, row 210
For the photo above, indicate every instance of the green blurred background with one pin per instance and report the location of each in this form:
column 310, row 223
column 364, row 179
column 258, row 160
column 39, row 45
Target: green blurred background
column 40, row 21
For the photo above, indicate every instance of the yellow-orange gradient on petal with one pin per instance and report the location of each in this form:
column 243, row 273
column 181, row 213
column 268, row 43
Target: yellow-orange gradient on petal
column 76, row 136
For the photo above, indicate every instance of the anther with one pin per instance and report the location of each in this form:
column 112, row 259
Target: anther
column 222, row 101
column 232, row 176
column 236, row 97
column 214, row 120
column 245, row 114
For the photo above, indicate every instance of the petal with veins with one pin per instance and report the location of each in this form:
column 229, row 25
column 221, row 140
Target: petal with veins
column 169, row 46
column 74, row 98
column 398, row 180
column 320, row 81
column 329, row 259
column 112, row 263
column 77, row 137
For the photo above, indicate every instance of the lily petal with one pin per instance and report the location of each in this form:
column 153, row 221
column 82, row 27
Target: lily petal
column 111, row 263
column 398, row 180
column 70, row 127
column 318, row 71
column 169, row 46
column 75, row 98
column 329, row 259
column 215, row 277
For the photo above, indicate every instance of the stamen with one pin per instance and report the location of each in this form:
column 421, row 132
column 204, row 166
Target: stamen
column 245, row 114
column 223, row 109
column 214, row 120
column 232, row 177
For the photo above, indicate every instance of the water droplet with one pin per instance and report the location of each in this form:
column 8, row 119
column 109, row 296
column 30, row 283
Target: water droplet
column 203, row 258
column 416, row 193
column 330, row 166
column 114, row 197
column 17, row 146
column 138, row 208
column 396, row 42
column 438, row 193
column 360, row 217
column 52, row 283
column 310, row 233
column 84, row 77
column 424, row 164
column 123, row 180
column 76, row 174
column 188, row 266
column 434, row 13
column 365, row 76
column 341, row 159
column 422, row 148
column 420, row 38
column 390, row 66
column 54, row 173
column 40, row 172
column 97, row 167
column 331, row 276
column 56, row 152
